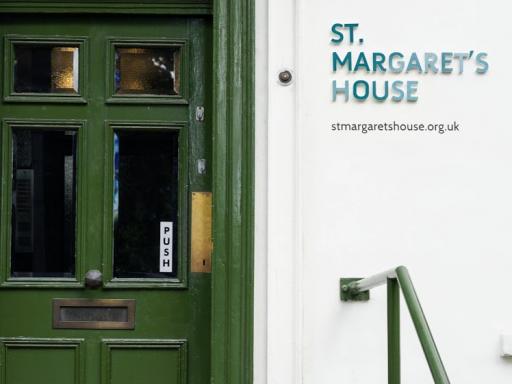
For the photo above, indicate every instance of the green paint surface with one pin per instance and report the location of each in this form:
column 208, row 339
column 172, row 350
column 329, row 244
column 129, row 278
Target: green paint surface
column 164, row 312
column 138, row 366
column 33, row 365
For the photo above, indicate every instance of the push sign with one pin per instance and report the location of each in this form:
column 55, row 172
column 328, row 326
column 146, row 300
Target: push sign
column 166, row 246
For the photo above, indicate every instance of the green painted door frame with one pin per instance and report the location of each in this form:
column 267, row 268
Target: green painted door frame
column 233, row 163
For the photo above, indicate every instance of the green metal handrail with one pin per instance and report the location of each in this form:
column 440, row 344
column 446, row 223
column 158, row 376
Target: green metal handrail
column 396, row 279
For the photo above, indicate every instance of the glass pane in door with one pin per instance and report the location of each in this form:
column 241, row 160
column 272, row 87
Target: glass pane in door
column 45, row 69
column 147, row 70
column 43, row 203
column 145, row 204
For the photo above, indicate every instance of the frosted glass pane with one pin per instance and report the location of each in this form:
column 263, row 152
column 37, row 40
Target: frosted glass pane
column 45, row 69
column 147, row 71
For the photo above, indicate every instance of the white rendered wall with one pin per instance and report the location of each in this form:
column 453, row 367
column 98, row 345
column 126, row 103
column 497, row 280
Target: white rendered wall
column 333, row 204
column 260, row 260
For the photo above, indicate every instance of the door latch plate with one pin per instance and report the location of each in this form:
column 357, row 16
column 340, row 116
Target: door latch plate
column 202, row 245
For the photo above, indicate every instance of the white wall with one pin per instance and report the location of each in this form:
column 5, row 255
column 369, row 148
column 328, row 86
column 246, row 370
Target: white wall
column 333, row 204
column 260, row 260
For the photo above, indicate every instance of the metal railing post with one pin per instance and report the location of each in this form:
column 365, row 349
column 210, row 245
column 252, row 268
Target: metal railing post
column 422, row 329
column 358, row 289
column 393, row 331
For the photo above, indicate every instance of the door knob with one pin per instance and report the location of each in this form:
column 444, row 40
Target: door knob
column 93, row 278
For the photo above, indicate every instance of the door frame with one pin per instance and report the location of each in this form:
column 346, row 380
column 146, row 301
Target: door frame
column 233, row 164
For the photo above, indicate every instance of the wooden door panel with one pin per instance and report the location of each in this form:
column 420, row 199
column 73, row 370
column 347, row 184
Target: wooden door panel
column 170, row 341
column 33, row 361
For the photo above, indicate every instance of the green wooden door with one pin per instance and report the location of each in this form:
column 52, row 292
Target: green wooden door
column 105, row 138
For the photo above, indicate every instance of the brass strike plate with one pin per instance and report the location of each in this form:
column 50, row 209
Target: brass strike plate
column 201, row 236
